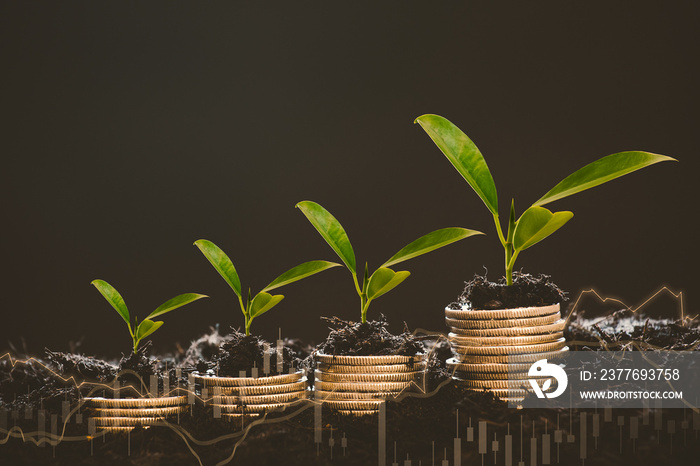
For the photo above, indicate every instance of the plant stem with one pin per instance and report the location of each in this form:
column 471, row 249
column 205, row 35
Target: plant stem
column 365, row 306
column 245, row 314
column 509, row 268
column 508, row 248
column 509, row 273
column 362, row 309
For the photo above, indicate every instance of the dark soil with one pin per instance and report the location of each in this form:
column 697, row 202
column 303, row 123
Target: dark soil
column 81, row 367
column 527, row 290
column 413, row 423
column 240, row 352
column 625, row 330
column 139, row 363
column 368, row 339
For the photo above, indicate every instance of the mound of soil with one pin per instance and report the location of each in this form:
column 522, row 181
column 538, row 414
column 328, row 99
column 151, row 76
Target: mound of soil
column 21, row 379
column 527, row 290
column 143, row 366
column 80, row 366
column 629, row 331
column 241, row 352
column 368, row 339
column 29, row 384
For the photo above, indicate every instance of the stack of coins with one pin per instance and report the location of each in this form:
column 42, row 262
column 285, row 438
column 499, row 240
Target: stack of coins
column 235, row 397
column 123, row 414
column 495, row 348
column 357, row 385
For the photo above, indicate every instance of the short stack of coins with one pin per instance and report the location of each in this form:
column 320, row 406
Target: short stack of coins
column 235, row 397
column 357, row 385
column 495, row 348
column 124, row 414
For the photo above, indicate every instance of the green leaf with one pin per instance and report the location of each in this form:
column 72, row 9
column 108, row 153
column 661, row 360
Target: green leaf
column 601, row 171
column 535, row 224
column 464, row 155
column 511, row 221
column 221, row 263
column 331, row 230
column 263, row 302
column 249, row 301
column 365, row 280
column 430, row 242
column 300, row 271
column 147, row 327
column 176, row 302
column 114, row 298
column 384, row 280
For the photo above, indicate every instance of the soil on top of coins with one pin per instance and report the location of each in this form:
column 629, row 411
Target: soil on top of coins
column 370, row 338
column 527, row 290
column 240, row 352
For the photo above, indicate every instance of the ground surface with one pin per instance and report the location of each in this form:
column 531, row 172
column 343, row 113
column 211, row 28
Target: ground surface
column 414, row 425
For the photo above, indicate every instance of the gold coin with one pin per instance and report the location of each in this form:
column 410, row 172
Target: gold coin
column 515, row 313
column 512, row 358
column 357, row 412
column 236, row 416
column 254, row 408
column 141, row 412
column 362, row 405
column 499, row 384
column 379, row 369
column 125, row 421
column 509, row 350
column 381, row 387
column 264, row 389
column 490, row 375
column 557, row 326
column 136, row 402
column 502, row 323
column 397, row 377
column 500, row 341
column 260, row 399
column 323, row 395
column 369, row 360
column 115, row 428
column 211, row 381
column 501, row 368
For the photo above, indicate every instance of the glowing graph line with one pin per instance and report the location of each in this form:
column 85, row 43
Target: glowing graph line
column 678, row 296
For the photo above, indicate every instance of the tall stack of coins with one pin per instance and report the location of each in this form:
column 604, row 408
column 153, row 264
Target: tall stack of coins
column 357, row 385
column 495, row 348
column 123, row 414
column 234, row 397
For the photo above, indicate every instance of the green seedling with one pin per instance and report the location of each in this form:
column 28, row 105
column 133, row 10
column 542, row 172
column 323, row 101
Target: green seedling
column 139, row 331
column 262, row 302
column 383, row 279
column 537, row 222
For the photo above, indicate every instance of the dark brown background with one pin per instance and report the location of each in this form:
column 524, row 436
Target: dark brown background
column 129, row 130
